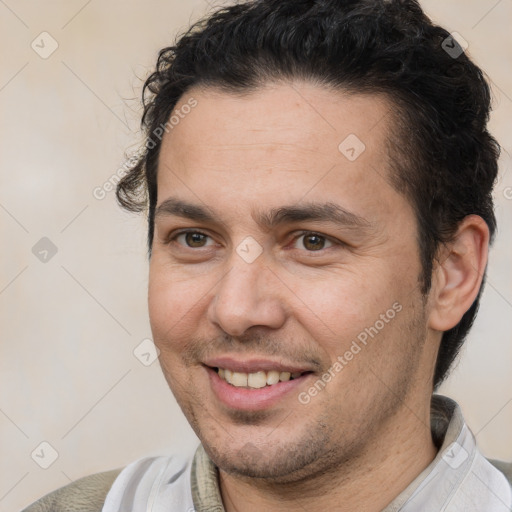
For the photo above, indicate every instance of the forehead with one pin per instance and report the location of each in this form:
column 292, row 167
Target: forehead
column 280, row 143
column 310, row 116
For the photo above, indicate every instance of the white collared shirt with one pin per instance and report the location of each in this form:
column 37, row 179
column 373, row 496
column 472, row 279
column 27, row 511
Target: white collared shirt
column 459, row 479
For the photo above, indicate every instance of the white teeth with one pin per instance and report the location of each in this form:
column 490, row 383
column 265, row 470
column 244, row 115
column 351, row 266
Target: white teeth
column 272, row 377
column 284, row 376
column 239, row 379
column 256, row 380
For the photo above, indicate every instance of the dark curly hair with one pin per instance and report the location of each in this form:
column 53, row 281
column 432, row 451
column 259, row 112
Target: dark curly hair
column 442, row 157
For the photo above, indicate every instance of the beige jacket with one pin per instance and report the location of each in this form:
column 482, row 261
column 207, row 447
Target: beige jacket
column 85, row 495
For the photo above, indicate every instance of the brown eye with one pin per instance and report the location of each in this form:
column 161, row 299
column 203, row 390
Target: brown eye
column 313, row 241
column 193, row 239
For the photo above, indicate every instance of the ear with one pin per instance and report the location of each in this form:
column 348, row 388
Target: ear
column 458, row 273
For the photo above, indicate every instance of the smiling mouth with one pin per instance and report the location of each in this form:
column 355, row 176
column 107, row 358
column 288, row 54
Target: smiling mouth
column 258, row 379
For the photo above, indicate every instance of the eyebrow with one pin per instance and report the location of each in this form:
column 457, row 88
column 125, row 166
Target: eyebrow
column 319, row 212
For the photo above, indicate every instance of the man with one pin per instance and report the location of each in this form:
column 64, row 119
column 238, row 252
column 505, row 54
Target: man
column 318, row 180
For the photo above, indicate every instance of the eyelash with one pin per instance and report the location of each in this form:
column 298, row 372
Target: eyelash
column 333, row 241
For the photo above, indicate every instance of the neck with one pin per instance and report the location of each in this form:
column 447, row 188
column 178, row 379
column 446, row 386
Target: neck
column 400, row 451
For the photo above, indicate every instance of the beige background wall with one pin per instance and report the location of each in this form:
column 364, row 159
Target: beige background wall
column 69, row 326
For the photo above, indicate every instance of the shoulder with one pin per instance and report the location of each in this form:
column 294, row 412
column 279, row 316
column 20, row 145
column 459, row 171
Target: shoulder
column 504, row 467
column 84, row 495
column 95, row 492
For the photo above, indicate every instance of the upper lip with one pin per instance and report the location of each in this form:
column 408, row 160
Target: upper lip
column 254, row 365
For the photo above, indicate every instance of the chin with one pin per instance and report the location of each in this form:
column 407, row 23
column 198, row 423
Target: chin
column 278, row 462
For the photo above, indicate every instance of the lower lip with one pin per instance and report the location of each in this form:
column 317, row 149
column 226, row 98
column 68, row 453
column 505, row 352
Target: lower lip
column 252, row 399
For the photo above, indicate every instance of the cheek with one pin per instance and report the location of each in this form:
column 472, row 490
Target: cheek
column 172, row 305
column 341, row 305
column 363, row 309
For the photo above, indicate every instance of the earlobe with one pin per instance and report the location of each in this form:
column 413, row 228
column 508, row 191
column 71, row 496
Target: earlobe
column 458, row 274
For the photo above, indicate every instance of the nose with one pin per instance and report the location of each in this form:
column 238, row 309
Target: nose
column 247, row 296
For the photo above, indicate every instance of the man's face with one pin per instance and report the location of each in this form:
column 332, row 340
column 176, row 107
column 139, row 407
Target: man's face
column 295, row 295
